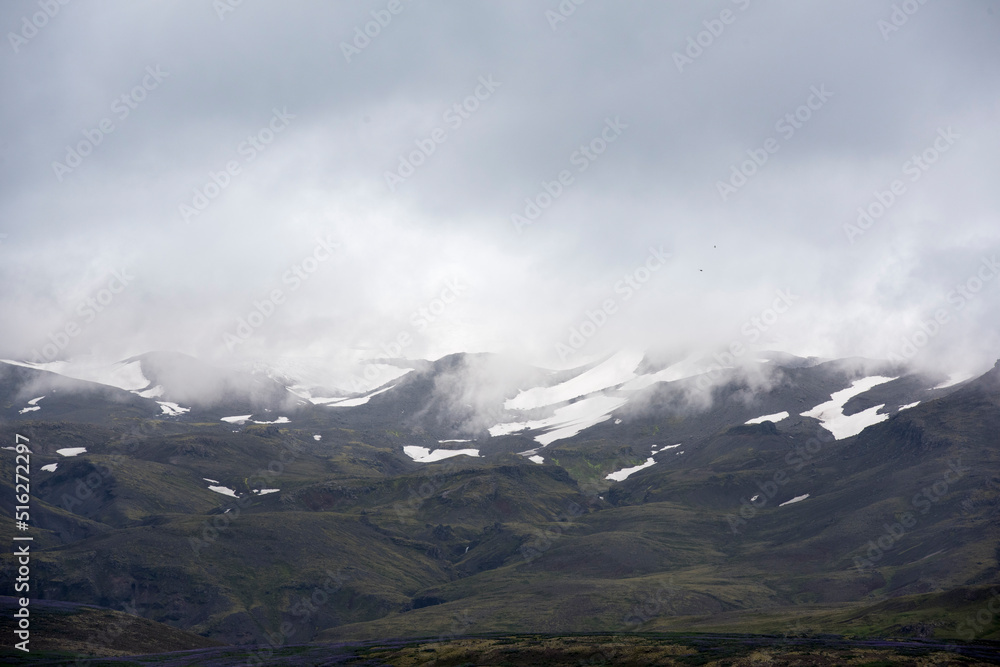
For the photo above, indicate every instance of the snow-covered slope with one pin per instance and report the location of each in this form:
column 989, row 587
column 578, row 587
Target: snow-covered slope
column 831, row 414
column 467, row 396
column 123, row 375
column 320, row 381
column 612, row 372
column 566, row 421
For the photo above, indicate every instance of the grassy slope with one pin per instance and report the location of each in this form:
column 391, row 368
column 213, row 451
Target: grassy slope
column 441, row 548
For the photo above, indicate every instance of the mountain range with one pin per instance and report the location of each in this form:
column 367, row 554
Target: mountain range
column 476, row 494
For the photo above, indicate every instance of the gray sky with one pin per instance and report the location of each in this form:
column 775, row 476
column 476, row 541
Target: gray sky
column 330, row 121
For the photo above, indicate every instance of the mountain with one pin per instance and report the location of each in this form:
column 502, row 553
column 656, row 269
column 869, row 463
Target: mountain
column 168, row 380
column 476, row 494
column 26, row 391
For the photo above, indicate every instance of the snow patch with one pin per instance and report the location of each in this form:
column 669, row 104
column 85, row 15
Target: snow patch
column 425, row 455
column 908, row 406
column 213, row 481
column 831, row 414
column 624, row 473
column 172, row 409
column 689, row 367
column 123, row 376
column 317, row 437
column 238, row 419
column 71, row 451
column 32, row 405
column 155, row 392
column 952, row 380
column 264, row 492
column 308, row 374
column 279, row 420
column 796, row 499
column 536, row 459
column 50, row 467
column 776, row 417
column 354, row 402
column 566, row 421
column 612, row 372
column 223, row 490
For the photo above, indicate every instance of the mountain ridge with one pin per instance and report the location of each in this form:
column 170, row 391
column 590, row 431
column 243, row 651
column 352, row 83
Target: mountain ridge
column 254, row 511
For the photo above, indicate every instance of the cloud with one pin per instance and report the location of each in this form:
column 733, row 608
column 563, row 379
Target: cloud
column 205, row 126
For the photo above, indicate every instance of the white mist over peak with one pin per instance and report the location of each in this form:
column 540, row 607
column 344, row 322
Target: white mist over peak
column 123, row 375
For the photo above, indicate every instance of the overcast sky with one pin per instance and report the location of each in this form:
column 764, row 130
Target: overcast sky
column 121, row 119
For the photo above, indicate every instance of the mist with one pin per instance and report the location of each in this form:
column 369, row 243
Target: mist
column 261, row 184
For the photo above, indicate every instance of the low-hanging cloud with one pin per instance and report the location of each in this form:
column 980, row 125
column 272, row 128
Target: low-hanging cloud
column 815, row 213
